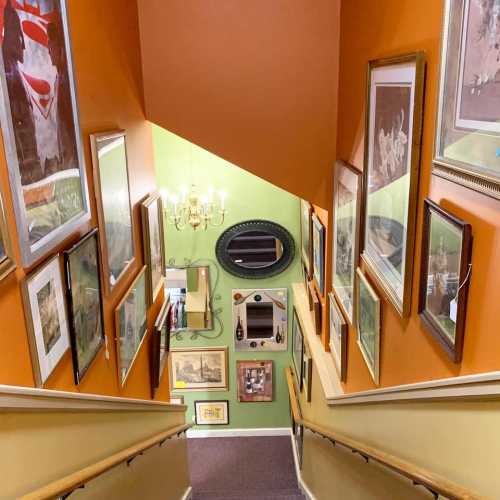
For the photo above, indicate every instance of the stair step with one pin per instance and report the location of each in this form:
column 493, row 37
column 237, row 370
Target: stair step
column 291, row 494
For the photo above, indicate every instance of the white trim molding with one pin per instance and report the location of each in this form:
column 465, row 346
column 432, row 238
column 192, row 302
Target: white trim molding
column 264, row 431
column 300, row 480
column 188, row 494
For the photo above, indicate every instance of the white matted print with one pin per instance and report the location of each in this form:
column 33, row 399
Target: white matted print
column 211, row 412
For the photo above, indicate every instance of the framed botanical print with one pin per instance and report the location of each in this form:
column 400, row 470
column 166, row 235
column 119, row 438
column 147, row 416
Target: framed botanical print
column 468, row 122
column 255, row 381
column 46, row 318
column 392, row 162
column 306, row 236
column 7, row 264
column 346, row 219
column 446, row 273
column 160, row 344
column 318, row 253
column 368, row 325
column 83, row 284
column 114, row 208
column 199, row 369
column 211, row 412
column 338, row 338
column 39, row 116
column 131, row 325
column 154, row 244
column 307, row 365
column 297, row 348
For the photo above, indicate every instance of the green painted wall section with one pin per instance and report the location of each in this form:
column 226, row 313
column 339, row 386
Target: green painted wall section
column 180, row 162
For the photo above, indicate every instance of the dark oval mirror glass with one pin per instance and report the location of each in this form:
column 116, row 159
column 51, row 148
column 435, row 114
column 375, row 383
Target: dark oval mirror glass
column 255, row 249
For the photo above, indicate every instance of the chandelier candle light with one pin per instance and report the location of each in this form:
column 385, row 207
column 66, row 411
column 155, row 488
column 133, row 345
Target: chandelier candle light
column 193, row 210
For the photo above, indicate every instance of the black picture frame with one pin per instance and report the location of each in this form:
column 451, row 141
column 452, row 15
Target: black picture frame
column 224, row 401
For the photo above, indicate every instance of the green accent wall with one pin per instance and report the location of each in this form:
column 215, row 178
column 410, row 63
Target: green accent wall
column 179, row 162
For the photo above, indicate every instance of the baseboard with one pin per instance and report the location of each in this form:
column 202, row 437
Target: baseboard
column 208, row 433
column 187, row 494
column 300, row 481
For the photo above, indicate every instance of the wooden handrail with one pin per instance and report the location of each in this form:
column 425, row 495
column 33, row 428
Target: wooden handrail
column 78, row 479
column 434, row 483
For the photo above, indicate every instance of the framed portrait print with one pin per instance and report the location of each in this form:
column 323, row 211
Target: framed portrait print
column 318, row 253
column 297, row 348
column 346, row 219
column 306, row 236
column 114, row 208
column 446, row 272
column 368, row 325
column 211, row 412
column 154, row 244
column 39, row 116
column 7, row 264
column 468, row 122
column 46, row 318
column 255, row 381
column 160, row 344
column 199, row 369
column 338, row 338
column 392, row 161
column 83, row 284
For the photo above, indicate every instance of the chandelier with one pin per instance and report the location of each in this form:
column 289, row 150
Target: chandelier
column 191, row 209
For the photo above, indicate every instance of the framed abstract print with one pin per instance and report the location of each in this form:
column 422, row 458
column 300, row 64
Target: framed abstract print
column 131, row 325
column 83, row 284
column 346, row 218
column 7, row 264
column 368, row 325
column 114, row 208
column 199, row 369
column 154, row 244
column 160, row 344
column 45, row 310
column 297, row 348
column 211, row 412
column 306, row 236
column 468, row 123
column 318, row 253
column 255, row 381
column 446, row 272
column 338, row 338
column 307, row 364
column 39, row 116
column 392, row 161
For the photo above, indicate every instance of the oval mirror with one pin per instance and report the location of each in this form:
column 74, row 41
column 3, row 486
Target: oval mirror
column 255, row 249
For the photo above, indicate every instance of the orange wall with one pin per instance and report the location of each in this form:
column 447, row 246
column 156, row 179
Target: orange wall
column 370, row 30
column 107, row 63
column 253, row 82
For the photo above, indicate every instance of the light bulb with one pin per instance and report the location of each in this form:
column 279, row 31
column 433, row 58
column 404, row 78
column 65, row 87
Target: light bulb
column 222, row 196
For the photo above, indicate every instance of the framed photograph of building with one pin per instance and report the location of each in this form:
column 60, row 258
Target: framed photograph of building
column 345, row 238
column 154, row 244
column 368, row 325
column 199, row 369
column 468, row 124
column 160, row 344
column 306, row 236
column 7, row 263
column 211, row 412
column 131, row 325
column 39, row 117
column 255, row 381
column 338, row 338
column 114, row 208
column 83, row 284
column 446, row 273
column 297, row 348
column 392, row 163
column 45, row 311
column 318, row 253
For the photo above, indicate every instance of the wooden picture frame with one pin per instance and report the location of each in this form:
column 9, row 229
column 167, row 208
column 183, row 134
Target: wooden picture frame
column 255, row 381
column 160, row 344
column 297, row 348
column 217, row 412
column 318, row 252
column 306, row 236
column 444, row 282
column 7, row 262
column 338, row 338
column 315, row 307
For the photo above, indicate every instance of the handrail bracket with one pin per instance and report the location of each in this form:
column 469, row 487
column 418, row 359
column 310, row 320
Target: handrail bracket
column 66, row 495
column 429, row 489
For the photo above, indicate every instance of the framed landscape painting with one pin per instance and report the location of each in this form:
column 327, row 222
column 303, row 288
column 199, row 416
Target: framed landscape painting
column 83, row 284
column 446, row 273
column 468, row 126
column 114, row 208
column 392, row 162
column 297, row 348
column 160, row 344
column 211, row 412
column 338, row 338
column 7, row 264
column 319, row 253
column 306, row 236
column 255, row 381
column 39, row 116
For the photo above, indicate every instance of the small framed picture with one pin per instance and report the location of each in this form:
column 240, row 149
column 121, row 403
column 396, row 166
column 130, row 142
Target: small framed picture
column 368, row 325
column 319, row 253
column 314, row 307
column 211, row 412
column 306, row 237
column 160, row 344
column 297, row 348
column 446, row 273
column 177, row 400
column 255, row 381
column 338, row 338
column 307, row 365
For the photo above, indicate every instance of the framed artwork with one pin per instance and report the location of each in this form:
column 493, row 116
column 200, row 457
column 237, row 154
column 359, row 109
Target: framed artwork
column 446, row 272
column 345, row 244
column 297, row 348
column 338, row 338
column 160, row 344
column 314, row 307
column 199, row 369
column 114, row 208
column 7, row 264
column 392, row 160
column 211, row 412
column 40, row 126
column 154, row 244
column 46, row 319
column 307, row 364
column 368, row 325
column 131, row 325
column 318, row 253
column 306, row 236
column 255, row 381
column 83, row 284
column 468, row 122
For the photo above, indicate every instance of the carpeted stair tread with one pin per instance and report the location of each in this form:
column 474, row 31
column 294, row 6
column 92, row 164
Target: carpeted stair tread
column 292, row 494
